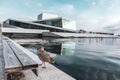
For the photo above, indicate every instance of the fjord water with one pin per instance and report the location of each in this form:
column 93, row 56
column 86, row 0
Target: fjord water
column 85, row 58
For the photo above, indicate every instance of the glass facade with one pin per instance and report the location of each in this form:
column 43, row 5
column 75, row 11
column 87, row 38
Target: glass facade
column 53, row 22
column 69, row 24
column 57, row 22
column 30, row 25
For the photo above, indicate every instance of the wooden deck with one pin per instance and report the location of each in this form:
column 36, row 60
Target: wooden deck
column 50, row 73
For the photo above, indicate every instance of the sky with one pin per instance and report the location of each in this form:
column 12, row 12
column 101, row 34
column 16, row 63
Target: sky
column 89, row 14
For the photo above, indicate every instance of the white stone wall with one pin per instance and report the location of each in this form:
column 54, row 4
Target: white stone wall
column 44, row 16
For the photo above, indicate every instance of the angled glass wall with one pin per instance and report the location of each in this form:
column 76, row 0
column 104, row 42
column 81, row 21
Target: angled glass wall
column 69, row 24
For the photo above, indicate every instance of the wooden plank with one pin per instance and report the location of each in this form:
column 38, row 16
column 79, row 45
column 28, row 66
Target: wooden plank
column 12, row 64
column 26, row 61
column 28, row 53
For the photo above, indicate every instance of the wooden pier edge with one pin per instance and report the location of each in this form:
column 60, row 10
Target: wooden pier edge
column 50, row 73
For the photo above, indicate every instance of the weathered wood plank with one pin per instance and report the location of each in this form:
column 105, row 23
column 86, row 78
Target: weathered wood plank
column 26, row 61
column 27, row 52
column 12, row 64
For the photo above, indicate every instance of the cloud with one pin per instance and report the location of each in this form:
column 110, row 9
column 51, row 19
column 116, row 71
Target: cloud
column 100, row 14
column 4, row 14
column 66, row 10
column 102, row 2
column 93, row 4
column 39, row 5
column 26, row 18
column 27, row 3
column 1, row 13
column 97, row 3
column 96, row 22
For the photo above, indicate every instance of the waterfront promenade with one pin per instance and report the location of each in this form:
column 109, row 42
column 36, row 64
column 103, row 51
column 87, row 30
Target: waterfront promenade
column 76, row 35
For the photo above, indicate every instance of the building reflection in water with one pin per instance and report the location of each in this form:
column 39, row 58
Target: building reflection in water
column 87, row 58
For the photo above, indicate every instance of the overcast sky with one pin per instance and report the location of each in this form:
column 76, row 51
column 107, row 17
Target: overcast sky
column 89, row 14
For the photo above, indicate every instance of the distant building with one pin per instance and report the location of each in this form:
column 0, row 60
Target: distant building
column 46, row 21
column 117, row 33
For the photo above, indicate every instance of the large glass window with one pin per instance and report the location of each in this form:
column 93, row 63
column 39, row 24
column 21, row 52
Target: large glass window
column 57, row 23
column 54, row 22
column 42, row 22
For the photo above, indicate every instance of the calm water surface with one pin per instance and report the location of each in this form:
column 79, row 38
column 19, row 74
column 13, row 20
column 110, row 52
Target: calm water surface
column 85, row 58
